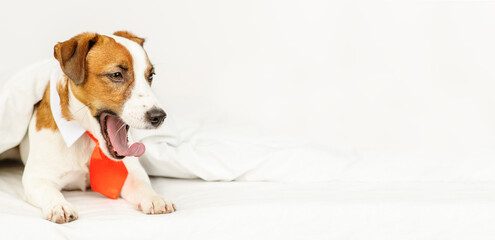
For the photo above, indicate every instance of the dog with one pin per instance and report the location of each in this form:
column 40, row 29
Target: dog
column 105, row 87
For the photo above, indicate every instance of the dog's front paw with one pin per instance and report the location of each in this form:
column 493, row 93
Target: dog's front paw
column 60, row 213
column 156, row 205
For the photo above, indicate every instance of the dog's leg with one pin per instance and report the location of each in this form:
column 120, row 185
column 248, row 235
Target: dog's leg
column 137, row 190
column 45, row 194
column 44, row 166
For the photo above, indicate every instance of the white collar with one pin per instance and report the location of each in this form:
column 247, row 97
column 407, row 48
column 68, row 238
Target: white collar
column 70, row 130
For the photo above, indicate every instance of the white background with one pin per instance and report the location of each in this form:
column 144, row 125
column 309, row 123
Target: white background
column 409, row 85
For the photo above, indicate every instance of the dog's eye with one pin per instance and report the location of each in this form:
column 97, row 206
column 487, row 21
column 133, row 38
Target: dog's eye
column 150, row 77
column 116, row 77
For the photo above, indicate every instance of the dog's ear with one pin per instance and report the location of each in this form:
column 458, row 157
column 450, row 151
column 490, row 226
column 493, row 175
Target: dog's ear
column 130, row 36
column 72, row 53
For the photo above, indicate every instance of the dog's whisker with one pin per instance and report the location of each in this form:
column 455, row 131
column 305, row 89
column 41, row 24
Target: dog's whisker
column 89, row 104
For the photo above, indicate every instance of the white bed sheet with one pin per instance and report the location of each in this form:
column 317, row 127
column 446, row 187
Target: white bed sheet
column 264, row 210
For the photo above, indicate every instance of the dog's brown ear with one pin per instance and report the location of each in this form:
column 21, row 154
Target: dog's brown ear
column 130, row 36
column 72, row 53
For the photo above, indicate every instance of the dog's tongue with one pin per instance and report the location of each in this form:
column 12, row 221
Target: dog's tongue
column 117, row 132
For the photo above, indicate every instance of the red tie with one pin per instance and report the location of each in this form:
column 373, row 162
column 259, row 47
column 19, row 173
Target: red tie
column 106, row 175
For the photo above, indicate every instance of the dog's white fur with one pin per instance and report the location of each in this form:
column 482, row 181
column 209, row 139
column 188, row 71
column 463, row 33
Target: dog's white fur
column 142, row 98
column 51, row 166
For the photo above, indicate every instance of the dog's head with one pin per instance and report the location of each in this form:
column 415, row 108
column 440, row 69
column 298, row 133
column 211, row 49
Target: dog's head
column 112, row 76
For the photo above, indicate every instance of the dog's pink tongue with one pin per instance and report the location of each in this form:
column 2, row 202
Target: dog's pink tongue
column 117, row 131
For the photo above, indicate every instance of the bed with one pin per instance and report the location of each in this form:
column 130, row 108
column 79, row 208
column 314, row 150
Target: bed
column 264, row 210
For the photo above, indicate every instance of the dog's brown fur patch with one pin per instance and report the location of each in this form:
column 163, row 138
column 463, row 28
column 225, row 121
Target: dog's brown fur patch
column 130, row 36
column 99, row 92
column 71, row 55
column 63, row 92
column 44, row 117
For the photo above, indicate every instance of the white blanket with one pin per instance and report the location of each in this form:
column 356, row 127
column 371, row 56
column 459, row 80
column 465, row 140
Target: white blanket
column 17, row 98
column 211, row 152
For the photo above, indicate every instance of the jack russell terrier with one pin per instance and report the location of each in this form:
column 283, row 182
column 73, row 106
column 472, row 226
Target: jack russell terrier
column 103, row 86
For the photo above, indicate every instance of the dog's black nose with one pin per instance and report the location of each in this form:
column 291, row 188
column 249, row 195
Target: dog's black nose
column 156, row 116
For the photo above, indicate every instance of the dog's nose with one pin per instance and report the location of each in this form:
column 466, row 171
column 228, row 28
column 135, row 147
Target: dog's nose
column 156, row 116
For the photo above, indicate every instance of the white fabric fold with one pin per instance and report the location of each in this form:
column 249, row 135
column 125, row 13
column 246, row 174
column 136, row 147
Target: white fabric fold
column 17, row 98
column 217, row 152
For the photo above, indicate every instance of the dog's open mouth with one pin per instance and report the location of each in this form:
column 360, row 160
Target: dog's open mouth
column 115, row 132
